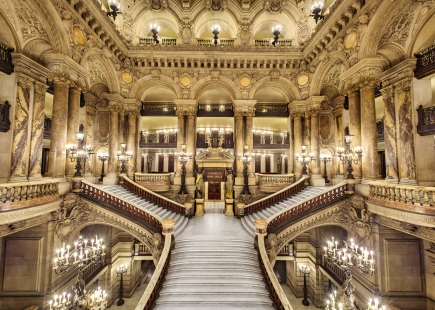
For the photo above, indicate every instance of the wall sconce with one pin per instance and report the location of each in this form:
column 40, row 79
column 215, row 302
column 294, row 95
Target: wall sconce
column 215, row 29
column 316, row 8
column 155, row 30
column 115, row 9
column 276, row 30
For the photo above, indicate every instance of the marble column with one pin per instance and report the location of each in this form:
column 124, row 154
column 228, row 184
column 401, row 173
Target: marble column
column 72, row 125
column 390, row 134
column 20, row 142
column 122, row 134
column 238, row 145
column 338, row 118
column 89, row 130
column 190, row 141
column 37, row 132
column 369, row 141
column 315, row 141
column 180, row 136
column 112, row 162
column 355, row 127
column 248, row 138
column 290, row 157
column 131, row 141
column 298, row 140
column 57, row 155
column 306, row 134
column 406, row 154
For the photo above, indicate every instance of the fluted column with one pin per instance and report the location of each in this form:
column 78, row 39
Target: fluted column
column 20, row 142
column 72, row 124
column 131, row 140
column 190, row 141
column 238, row 145
column 315, row 140
column 249, row 119
column 57, row 155
column 355, row 126
column 369, row 141
column 37, row 133
column 390, row 134
column 406, row 154
column 298, row 140
column 112, row 162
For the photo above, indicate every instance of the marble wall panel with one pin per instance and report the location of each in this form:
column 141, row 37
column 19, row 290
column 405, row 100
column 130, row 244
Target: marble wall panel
column 390, row 135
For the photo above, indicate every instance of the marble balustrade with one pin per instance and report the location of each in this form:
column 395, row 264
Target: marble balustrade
column 24, row 194
column 152, row 181
column 414, row 195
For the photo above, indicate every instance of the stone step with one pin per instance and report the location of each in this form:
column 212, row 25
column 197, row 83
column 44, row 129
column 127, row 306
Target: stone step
column 212, row 306
column 235, row 299
column 221, row 249
column 189, row 274
column 182, row 281
column 214, row 289
column 214, row 267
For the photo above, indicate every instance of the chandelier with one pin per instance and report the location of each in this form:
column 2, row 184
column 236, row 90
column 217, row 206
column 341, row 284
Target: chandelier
column 124, row 156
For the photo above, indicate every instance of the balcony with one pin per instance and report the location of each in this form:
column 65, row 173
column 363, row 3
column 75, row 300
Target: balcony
column 269, row 140
column 268, row 42
column 162, row 139
column 6, row 65
column 221, row 42
column 425, row 62
column 163, row 41
column 426, row 120
column 214, row 138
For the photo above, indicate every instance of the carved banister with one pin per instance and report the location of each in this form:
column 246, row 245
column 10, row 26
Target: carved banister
column 156, row 198
column 96, row 193
column 26, row 194
column 273, row 198
column 305, row 207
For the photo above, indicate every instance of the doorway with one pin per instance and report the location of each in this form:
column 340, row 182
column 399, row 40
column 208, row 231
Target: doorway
column 214, row 191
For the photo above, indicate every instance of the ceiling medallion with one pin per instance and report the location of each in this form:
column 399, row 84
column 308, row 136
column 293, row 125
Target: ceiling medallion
column 79, row 36
column 245, row 81
column 350, row 39
column 126, row 77
column 303, row 79
column 185, row 80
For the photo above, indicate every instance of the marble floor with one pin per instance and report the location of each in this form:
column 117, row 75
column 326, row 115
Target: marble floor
column 131, row 303
column 296, row 303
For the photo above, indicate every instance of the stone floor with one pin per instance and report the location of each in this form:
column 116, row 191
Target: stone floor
column 131, row 303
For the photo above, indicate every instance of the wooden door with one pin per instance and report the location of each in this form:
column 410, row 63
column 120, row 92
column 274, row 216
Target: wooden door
column 214, row 190
column 161, row 162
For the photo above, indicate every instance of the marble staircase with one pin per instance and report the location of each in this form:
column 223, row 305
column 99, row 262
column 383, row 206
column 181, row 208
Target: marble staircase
column 180, row 220
column 308, row 192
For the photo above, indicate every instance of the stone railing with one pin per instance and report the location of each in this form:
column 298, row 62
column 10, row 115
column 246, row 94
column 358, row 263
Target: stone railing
column 273, row 182
column 26, row 194
column 272, row 199
column 268, row 42
column 395, row 195
column 154, row 182
column 276, row 292
column 337, row 273
column 305, row 207
column 98, row 194
column 163, row 41
column 156, row 198
column 210, row 42
column 151, row 292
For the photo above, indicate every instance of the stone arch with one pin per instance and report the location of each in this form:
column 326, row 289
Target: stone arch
column 36, row 48
column 425, row 35
column 147, row 83
column 8, row 35
column 167, row 22
column 265, row 21
column 331, row 92
column 324, row 68
column 225, row 19
column 207, row 83
column 393, row 53
column 283, row 85
column 98, row 89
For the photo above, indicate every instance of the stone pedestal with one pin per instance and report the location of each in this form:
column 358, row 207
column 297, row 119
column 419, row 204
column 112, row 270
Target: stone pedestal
column 317, row 180
column 229, row 207
column 75, row 183
column 199, row 207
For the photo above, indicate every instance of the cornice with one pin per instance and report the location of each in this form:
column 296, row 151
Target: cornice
column 25, row 65
column 24, row 214
column 398, row 73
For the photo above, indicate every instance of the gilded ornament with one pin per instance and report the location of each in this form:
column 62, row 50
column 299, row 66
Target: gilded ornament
column 126, row 77
column 350, row 39
column 245, row 81
column 79, row 36
column 185, row 80
column 303, row 79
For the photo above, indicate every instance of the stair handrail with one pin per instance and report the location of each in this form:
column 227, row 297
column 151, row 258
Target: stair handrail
column 151, row 292
column 326, row 197
column 273, row 198
column 275, row 289
column 153, row 197
column 101, row 195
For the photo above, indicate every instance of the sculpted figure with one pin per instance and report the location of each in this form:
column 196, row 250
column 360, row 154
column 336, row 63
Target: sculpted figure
column 199, row 187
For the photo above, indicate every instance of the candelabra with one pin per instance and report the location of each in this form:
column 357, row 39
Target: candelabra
column 97, row 300
column 183, row 158
column 349, row 156
column 305, row 270
column 246, row 160
column 155, row 30
column 325, row 159
column 276, row 30
column 316, row 8
column 304, row 159
column 215, row 29
column 102, row 158
column 332, row 304
column 79, row 153
column 124, row 156
column 115, row 8
column 375, row 305
column 121, row 269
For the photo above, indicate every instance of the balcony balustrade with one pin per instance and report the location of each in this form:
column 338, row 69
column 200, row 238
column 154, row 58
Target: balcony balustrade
column 271, row 141
column 158, row 140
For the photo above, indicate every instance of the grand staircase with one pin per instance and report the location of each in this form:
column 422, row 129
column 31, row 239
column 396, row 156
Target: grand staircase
column 308, row 192
column 180, row 220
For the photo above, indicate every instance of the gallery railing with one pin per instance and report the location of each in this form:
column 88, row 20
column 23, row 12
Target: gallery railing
column 264, row 141
column 272, row 182
column 154, row 182
column 425, row 62
column 426, row 120
column 6, row 65
column 167, row 140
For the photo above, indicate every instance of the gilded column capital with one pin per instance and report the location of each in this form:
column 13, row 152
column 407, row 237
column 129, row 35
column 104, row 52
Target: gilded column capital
column 297, row 114
column 23, row 80
column 404, row 85
column 40, row 88
column 115, row 106
column 403, row 70
column 186, row 106
column 244, row 107
column 91, row 110
column 30, row 68
column 387, row 91
column 364, row 73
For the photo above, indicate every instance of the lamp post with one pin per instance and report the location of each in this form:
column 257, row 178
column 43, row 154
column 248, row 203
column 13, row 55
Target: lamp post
column 79, row 153
column 102, row 157
column 215, row 29
column 304, row 159
column 246, row 160
column 115, row 8
column 124, row 156
column 276, row 30
column 349, row 156
column 316, row 8
column 305, row 270
column 325, row 159
column 121, row 269
column 183, row 158
column 155, row 30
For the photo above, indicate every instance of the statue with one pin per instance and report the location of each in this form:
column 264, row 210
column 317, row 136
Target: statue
column 229, row 186
column 199, row 186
